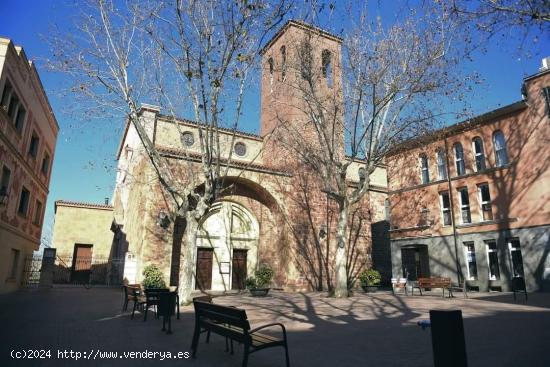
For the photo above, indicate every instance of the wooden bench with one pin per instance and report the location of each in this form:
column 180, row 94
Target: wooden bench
column 398, row 283
column 233, row 324
column 434, row 282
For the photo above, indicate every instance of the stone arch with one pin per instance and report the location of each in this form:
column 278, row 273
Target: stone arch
column 240, row 186
column 226, row 230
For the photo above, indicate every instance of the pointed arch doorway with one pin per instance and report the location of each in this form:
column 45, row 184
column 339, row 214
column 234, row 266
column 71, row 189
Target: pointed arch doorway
column 227, row 247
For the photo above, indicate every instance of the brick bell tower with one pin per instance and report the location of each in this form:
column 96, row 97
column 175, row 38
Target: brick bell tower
column 297, row 48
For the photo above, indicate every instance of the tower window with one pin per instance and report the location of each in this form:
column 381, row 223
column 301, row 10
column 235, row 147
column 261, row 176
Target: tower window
column 546, row 95
column 283, row 63
column 326, row 62
column 270, row 63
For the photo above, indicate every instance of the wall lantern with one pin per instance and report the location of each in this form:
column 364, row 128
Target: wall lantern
column 323, row 231
column 163, row 220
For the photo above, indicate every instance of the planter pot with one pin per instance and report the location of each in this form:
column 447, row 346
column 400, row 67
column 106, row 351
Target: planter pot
column 370, row 288
column 259, row 292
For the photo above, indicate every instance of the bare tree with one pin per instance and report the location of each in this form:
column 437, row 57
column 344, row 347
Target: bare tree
column 522, row 20
column 187, row 56
column 394, row 77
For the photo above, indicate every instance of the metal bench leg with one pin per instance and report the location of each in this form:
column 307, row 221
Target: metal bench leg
column 286, row 356
column 208, row 337
column 245, row 356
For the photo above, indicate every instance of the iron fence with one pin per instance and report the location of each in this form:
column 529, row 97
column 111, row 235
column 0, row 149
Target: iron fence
column 80, row 271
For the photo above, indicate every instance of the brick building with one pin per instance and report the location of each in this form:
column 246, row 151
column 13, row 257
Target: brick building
column 471, row 201
column 28, row 133
column 274, row 212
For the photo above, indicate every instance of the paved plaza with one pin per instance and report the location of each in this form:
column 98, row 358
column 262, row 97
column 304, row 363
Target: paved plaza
column 365, row 330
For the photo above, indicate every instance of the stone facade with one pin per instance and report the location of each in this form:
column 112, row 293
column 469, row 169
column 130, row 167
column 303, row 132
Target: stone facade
column 471, row 201
column 273, row 209
column 28, row 134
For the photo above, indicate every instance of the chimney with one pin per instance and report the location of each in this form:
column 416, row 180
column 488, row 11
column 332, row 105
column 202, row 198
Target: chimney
column 545, row 64
column 106, row 201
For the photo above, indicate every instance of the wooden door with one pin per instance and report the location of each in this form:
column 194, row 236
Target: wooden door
column 203, row 279
column 238, row 277
column 82, row 263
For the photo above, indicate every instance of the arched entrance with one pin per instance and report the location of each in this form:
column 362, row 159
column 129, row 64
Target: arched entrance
column 227, row 250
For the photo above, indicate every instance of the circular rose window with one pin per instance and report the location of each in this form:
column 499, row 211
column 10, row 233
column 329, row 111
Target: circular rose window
column 188, row 139
column 240, row 149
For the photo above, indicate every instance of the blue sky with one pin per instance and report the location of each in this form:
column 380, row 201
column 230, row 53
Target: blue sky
column 83, row 168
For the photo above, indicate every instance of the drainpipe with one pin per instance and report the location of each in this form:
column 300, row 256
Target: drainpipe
column 451, row 203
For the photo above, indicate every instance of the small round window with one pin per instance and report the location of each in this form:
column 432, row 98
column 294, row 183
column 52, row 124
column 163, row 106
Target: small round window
column 240, row 149
column 188, row 139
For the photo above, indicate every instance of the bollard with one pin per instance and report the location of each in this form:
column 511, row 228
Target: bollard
column 449, row 346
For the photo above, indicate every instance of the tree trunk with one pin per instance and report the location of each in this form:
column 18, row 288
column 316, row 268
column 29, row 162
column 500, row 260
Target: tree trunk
column 189, row 253
column 341, row 288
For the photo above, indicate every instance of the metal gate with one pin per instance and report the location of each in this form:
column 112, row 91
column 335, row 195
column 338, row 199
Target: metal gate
column 100, row 272
column 31, row 271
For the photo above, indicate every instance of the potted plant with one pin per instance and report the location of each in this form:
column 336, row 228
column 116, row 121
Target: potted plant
column 370, row 280
column 152, row 277
column 259, row 284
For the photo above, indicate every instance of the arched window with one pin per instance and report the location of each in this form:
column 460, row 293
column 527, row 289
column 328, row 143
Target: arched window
column 479, row 153
column 326, row 62
column 441, row 165
column 459, row 159
column 283, row 62
column 270, row 63
column 500, row 148
column 424, row 169
column 306, row 60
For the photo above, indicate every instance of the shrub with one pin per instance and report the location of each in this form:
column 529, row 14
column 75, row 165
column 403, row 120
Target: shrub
column 262, row 278
column 251, row 283
column 152, row 277
column 370, row 277
column 264, row 275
